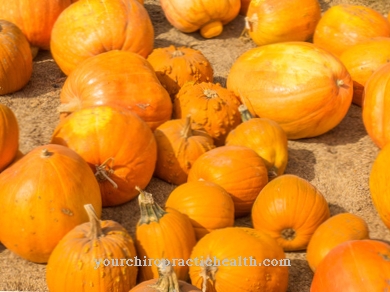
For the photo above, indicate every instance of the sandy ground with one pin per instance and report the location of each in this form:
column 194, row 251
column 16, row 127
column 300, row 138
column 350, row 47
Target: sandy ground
column 337, row 163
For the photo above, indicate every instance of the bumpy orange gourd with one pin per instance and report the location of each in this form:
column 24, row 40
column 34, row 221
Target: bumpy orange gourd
column 290, row 209
column 9, row 136
column 238, row 169
column 119, row 147
column 211, row 107
column 117, row 78
column 175, row 66
column 42, row 197
column 239, row 259
column 178, row 147
column 303, row 88
column 89, row 28
column 334, row 231
column 16, row 60
column 207, row 204
column 208, row 17
column 344, row 25
column 275, row 21
column 87, row 252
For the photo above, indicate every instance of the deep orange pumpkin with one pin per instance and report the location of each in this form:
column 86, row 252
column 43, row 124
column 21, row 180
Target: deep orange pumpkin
column 244, row 7
column 9, row 136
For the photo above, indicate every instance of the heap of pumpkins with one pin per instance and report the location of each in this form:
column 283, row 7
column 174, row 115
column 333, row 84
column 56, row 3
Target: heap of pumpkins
column 130, row 111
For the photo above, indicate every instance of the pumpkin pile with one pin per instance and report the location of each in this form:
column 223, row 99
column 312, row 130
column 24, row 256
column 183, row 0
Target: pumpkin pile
column 131, row 111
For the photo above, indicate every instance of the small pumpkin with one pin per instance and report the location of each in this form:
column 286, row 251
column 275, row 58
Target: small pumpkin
column 206, row 204
column 96, row 254
column 290, row 209
column 9, row 136
column 178, row 147
column 334, row 231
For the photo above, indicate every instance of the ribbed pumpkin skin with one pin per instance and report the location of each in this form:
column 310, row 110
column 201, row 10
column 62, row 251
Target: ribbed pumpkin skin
column 16, row 61
column 89, row 28
column 118, row 78
column 233, row 244
column 289, row 209
column 9, row 136
column 42, row 198
column 118, row 137
column 334, row 231
column 356, row 265
column 303, row 88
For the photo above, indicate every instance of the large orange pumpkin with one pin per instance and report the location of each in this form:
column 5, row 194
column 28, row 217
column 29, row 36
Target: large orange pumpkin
column 89, row 28
column 9, row 136
column 303, row 88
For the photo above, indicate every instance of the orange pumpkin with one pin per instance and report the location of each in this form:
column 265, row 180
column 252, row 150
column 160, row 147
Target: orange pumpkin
column 275, row 21
column 86, row 29
column 344, row 25
column 238, row 169
column 303, row 88
column 244, row 7
column 355, row 265
column 178, row 147
column 9, row 136
column 117, row 78
column 96, row 255
column 175, row 66
column 334, row 231
column 206, row 204
column 42, row 197
column 119, row 147
column 238, row 259
column 363, row 59
column 211, row 107
column 290, row 209
column 208, row 17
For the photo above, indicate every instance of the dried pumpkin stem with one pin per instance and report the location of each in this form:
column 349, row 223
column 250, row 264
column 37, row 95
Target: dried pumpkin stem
column 245, row 114
column 288, row 234
column 150, row 211
column 96, row 227
column 46, row 153
column 177, row 53
column 167, row 280
column 187, row 131
column 69, row 107
column 209, row 93
column 102, row 174
column 208, row 273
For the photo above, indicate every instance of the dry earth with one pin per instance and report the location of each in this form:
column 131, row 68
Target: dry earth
column 337, row 163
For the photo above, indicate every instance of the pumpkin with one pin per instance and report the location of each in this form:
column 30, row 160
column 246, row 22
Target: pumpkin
column 303, row 88
column 9, row 136
column 290, row 209
column 275, row 21
column 42, row 198
column 117, row 78
column 94, row 256
column 211, row 107
column 16, row 62
column 334, row 231
column 207, row 205
column 376, row 106
column 119, row 147
column 160, row 236
column 237, row 169
column 244, row 7
column 89, row 28
column 344, row 25
column 264, row 136
column 207, row 17
column 355, row 265
column 175, row 66
column 238, row 259
column 178, row 147
column 361, row 60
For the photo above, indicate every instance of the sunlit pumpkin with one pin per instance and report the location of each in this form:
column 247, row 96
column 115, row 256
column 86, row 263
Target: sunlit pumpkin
column 9, row 136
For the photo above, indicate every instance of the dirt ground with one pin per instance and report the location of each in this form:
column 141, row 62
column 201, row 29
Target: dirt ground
column 338, row 163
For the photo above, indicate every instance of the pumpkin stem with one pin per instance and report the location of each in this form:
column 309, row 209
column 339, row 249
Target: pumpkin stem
column 167, row 279
column 245, row 114
column 209, row 93
column 211, row 29
column 149, row 209
column 177, row 53
column 208, row 273
column 340, row 82
column 102, row 174
column 288, row 234
column 96, row 227
column 46, row 153
column 69, row 107
column 187, row 131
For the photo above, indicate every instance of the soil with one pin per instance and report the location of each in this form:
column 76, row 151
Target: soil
column 338, row 163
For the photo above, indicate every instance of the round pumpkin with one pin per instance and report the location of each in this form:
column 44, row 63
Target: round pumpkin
column 334, row 231
column 117, row 78
column 42, row 198
column 96, row 254
column 9, row 136
column 238, row 169
column 119, row 147
column 89, row 28
column 290, row 209
column 275, row 21
column 344, row 25
column 208, row 17
column 206, row 204
column 303, row 88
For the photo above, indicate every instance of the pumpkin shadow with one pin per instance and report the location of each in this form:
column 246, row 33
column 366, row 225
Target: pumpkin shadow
column 2, row 247
column 336, row 209
column 301, row 162
column 300, row 276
